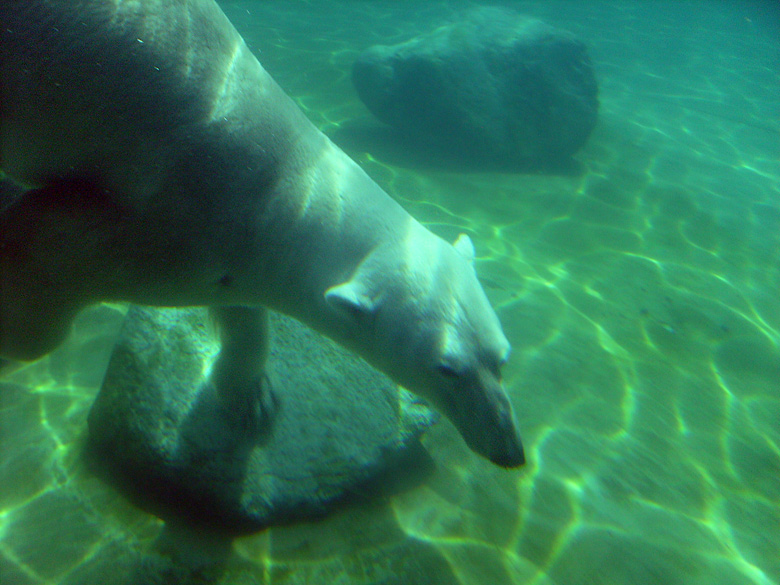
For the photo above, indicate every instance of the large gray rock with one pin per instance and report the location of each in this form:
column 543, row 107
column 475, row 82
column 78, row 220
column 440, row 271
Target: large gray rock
column 160, row 434
column 496, row 87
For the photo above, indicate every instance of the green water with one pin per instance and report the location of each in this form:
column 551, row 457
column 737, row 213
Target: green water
column 641, row 295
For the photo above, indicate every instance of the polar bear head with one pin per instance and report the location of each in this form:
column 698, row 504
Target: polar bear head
column 417, row 312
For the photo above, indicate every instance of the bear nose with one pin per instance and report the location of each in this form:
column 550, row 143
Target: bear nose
column 512, row 456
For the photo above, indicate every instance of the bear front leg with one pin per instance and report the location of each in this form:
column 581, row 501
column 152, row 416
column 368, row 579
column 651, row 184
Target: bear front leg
column 238, row 374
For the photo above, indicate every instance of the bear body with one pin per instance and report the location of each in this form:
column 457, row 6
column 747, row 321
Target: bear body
column 164, row 166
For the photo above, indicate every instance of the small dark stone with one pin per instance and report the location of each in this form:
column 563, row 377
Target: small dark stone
column 9, row 191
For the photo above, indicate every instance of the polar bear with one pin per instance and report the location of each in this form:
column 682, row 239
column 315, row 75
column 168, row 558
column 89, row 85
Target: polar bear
column 164, row 166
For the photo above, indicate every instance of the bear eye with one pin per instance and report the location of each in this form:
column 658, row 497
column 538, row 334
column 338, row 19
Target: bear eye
column 447, row 371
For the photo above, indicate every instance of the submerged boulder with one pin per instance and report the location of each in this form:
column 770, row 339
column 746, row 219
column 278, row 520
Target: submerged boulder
column 343, row 431
column 495, row 86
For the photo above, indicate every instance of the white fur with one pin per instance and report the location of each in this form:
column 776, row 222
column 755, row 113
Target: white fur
column 173, row 171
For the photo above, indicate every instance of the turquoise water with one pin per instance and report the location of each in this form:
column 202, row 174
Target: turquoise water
column 640, row 294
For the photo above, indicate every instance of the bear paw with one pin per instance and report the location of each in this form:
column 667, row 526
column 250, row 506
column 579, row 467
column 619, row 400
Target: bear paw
column 250, row 407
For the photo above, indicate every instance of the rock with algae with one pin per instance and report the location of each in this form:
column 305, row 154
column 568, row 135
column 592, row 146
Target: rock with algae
column 158, row 432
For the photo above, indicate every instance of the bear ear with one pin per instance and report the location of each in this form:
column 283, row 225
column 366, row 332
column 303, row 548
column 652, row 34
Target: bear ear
column 465, row 247
column 349, row 298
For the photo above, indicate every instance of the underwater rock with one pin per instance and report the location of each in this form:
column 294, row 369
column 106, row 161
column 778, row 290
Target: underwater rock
column 157, row 431
column 496, row 86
